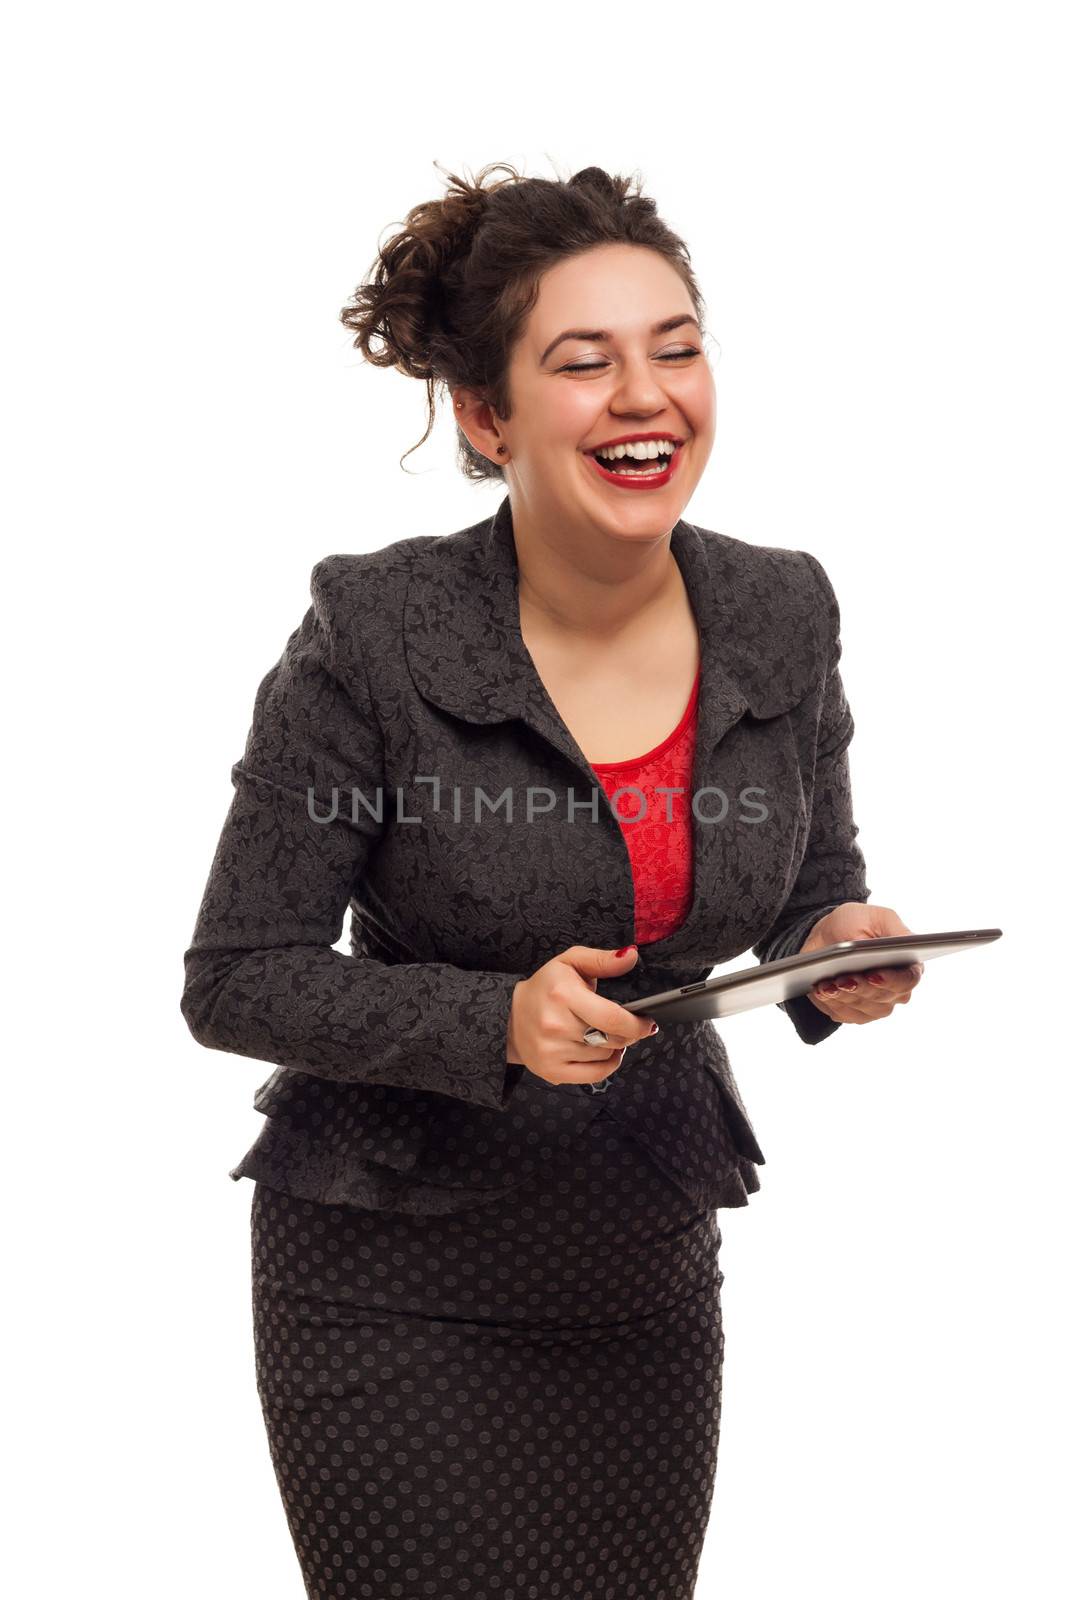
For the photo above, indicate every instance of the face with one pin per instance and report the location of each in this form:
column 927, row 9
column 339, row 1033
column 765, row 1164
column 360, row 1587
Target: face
column 573, row 393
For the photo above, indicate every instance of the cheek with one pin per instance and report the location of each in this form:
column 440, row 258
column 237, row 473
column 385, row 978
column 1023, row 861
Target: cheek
column 554, row 415
column 694, row 395
column 572, row 417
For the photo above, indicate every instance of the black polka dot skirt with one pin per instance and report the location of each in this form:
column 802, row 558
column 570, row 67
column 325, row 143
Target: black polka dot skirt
column 519, row 1400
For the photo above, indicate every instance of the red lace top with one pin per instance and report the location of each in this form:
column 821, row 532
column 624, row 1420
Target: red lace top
column 661, row 849
column 661, row 857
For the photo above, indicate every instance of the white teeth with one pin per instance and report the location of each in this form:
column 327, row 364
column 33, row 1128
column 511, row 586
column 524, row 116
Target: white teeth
column 641, row 451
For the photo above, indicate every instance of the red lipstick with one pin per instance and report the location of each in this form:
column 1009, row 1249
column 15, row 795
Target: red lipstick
column 638, row 479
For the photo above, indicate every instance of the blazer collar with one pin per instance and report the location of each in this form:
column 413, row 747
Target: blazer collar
column 466, row 653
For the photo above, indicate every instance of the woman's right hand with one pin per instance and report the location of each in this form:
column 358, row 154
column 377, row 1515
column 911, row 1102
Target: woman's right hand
column 552, row 1009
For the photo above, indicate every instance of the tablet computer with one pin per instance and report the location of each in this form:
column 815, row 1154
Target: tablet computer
column 774, row 981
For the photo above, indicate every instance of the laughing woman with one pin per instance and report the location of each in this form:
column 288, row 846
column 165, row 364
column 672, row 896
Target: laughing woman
column 485, row 1246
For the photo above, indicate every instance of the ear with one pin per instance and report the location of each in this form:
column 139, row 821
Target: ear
column 476, row 418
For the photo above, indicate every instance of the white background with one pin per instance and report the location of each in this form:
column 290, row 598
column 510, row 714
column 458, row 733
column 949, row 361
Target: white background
column 872, row 198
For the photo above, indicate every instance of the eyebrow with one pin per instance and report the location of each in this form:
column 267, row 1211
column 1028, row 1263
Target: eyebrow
column 601, row 335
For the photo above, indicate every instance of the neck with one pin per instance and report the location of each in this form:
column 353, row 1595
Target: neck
column 591, row 584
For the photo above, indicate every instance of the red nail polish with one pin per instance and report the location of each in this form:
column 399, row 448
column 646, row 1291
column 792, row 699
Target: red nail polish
column 625, row 951
column 875, row 977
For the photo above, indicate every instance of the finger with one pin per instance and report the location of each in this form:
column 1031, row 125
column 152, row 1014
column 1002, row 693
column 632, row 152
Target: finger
column 908, row 976
column 586, row 1053
column 610, row 1041
column 574, row 1007
column 621, row 1027
column 825, row 1004
column 860, row 1006
column 577, row 1071
column 855, row 1012
column 889, row 983
column 892, row 982
column 861, row 995
column 572, row 1046
column 872, row 986
column 565, row 1029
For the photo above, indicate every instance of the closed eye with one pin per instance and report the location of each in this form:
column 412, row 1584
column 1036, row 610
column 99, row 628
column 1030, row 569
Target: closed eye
column 598, row 366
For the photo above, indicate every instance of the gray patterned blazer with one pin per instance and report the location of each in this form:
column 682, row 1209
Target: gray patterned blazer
column 405, row 760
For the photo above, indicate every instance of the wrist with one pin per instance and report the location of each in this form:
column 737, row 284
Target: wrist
column 814, row 938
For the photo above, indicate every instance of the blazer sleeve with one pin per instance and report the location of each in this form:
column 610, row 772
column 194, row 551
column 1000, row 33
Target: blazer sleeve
column 833, row 869
column 261, row 976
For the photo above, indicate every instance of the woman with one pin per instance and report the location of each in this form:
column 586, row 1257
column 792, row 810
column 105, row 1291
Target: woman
column 485, row 1239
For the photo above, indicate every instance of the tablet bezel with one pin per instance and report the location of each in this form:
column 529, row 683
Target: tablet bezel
column 772, row 982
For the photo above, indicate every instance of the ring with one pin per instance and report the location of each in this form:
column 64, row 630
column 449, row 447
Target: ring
column 595, row 1036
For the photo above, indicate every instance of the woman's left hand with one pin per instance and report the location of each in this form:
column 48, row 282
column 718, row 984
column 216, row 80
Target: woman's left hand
column 860, row 996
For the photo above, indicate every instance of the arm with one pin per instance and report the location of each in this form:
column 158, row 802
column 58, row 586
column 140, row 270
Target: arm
column 261, row 976
column 833, row 870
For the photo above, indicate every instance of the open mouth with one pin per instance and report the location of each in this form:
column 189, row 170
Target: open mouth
column 627, row 473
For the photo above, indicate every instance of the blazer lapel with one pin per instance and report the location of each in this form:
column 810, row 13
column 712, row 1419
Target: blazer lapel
column 466, row 653
column 465, row 649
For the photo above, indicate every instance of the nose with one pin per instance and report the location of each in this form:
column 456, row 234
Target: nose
column 641, row 398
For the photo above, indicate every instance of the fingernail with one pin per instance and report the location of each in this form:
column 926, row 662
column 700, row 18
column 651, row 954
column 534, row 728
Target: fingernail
column 654, row 1029
column 875, row 977
column 848, row 983
column 625, row 951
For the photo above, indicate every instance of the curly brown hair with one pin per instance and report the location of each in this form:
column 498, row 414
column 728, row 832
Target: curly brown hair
column 448, row 294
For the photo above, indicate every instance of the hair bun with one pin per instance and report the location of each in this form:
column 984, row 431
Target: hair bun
column 597, row 179
column 460, row 213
